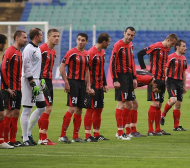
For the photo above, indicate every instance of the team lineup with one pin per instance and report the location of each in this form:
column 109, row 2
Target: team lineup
column 26, row 79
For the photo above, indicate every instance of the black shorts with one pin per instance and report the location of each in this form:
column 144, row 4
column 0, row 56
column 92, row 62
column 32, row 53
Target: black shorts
column 96, row 101
column 14, row 102
column 151, row 96
column 175, row 88
column 126, row 91
column 1, row 102
column 77, row 94
column 48, row 93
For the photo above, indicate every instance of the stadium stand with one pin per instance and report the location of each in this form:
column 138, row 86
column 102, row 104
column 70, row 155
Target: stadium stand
column 153, row 20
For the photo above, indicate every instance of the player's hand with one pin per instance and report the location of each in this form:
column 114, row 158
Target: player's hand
column 134, row 83
column 67, row 87
column 116, row 85
column 11, row 92
column 184, row 89
column 145, row 69
column 43, row 84
column 35, row 89
column 91, row 92
column 105, row 88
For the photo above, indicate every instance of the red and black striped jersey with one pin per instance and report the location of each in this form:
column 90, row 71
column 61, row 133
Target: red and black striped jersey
column 176, row 66
column 96, row 67
column 143, row 77
column 77, row 63
column 48, row 57
column 158, row 58
column 122, row 59
column 11, row 69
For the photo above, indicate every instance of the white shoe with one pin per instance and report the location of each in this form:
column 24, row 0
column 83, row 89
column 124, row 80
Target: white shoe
column 5, row 145
column 123, row 137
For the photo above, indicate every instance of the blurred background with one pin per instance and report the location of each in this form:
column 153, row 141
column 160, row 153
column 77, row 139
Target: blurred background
column 152, row 19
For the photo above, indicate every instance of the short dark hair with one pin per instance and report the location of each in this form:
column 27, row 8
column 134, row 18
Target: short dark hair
column 34, row 32
column 83, row 35
column 130, row 28
column 103, row 37
column 18, row 33
column 160, row 85
column 51, row 30
column 178, row 43
column 3, row 39
column 172, row 36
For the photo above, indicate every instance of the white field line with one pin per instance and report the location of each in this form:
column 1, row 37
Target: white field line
column 101, row 156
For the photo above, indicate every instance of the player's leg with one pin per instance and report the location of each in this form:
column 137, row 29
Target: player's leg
column 43, row 122
column 88, row 117
column 3, row 145
column 121, row 96
column 127, row 117
column 172, row 92
column 34, row 117
column 28, row 101
column 177, row 106
column 128, row 106
column 154, row 98
column 96, row 118
column 72, row 103
column 77, row 119
column 14, row 121
column 24, row 120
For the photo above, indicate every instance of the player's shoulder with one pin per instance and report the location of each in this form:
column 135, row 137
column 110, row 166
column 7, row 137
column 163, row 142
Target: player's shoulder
column 10, row 50
column 44, row 47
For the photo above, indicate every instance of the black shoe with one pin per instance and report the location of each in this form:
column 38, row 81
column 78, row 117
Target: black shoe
column 165, row 133
column 16, row 144
column 137, row 134
column 180, row 128
column 27, row 143
column 32, row 140
column 91, row 139
column 100, row 138
column 162, row 121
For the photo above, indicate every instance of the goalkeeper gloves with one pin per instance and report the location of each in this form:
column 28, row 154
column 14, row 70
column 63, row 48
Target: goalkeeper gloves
column 35, row 89
column 43, row 84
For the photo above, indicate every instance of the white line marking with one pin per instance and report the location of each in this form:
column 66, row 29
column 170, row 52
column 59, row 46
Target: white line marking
column 106, row 156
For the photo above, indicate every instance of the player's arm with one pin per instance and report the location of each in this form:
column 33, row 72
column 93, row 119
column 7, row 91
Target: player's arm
column 27, row 65
column 4, row 73
column 184, row 82
column 141, row 55
column 105, row 86
column 64, row 76
column 134, row 74
column 113, row 70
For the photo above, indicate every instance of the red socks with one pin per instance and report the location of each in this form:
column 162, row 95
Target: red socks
column 157, row 119
column 134, row 115
column 176, row 116
column 66, row 122
column 119, row 120
column 77, row 123
column 1, row 131
column 88, row 122
column 43, row 125
column 126, row 120
column 7, row 121
column 13, row 129
column 97, row 121
column 166, row 109
column 151, row 118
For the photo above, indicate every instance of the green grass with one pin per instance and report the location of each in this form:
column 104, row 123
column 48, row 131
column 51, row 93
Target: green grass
column 164, row 151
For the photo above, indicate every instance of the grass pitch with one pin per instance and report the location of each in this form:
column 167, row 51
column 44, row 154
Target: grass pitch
column 158, row 151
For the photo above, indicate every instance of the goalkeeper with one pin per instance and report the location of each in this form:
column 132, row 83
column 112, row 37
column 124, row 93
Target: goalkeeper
column 31, row 86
